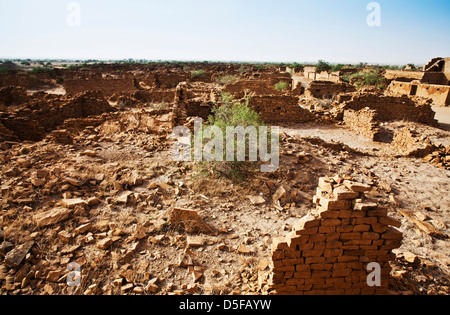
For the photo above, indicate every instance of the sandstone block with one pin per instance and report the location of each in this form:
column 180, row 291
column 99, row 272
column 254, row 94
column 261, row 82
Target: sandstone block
column 52, row 217
column 390, row 221
column 15, row 256
column 357, row 186
column 331, row 204
column 392, row 234
column 343, row 193
column 72, row 203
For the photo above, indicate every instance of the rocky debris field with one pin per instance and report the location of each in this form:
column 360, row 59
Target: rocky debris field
column 97, row 206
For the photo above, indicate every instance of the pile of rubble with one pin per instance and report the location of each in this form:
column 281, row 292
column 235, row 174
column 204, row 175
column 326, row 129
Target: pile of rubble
column 440, row 157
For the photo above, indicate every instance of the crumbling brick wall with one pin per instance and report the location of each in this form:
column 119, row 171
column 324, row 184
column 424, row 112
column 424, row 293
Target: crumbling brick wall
column 13, row 95
column 164, row 79
column 279, row 109
column 33, row 121
column 439, row 94
column 409, row 142
column 365, row 122
column 259, row 87
column 107, row 85
column 330, row 249
column 27, row 80
column 325, row 89
column 155, row 95
column 392, row 108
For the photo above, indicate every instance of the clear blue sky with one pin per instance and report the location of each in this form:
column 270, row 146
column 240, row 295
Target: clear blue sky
column 411, row 31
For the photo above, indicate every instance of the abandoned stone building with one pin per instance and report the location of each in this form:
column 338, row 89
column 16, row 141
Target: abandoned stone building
column 433, row 83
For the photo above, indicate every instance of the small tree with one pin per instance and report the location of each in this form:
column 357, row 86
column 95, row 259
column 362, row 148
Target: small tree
column 337, row 67
column 198, row 74
column 281, row 86
column 229, row 112
column 323, row 66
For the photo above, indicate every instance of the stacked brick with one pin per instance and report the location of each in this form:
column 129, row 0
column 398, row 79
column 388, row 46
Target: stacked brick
column 330, row 249
column 365, row 122
column 280, row 109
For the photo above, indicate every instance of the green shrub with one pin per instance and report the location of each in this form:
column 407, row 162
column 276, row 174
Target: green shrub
column 244, row 69
column 227, row 79
column 282, row 86
column 337, row 67
column 229, row 112
column 198, row 74
column 323, row 66
column 364, row 78
column 37, row 70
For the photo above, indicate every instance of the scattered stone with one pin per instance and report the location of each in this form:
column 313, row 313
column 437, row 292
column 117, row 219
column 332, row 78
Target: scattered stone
column 75, row 182
column 5, row 247
column 256, row 200
column 90, row 153
column 195, row 241
column 37, row 182
column 412, row 258
column 395, row 201
column 52, row 217
column 357, row 186
column 53, row 276
column 124, row 197
column 186, row 260
column 93, row 201
column 196, row 272
column 15, row 256
column 104, row 243
column 242, row 249
column 84, row 228
column 117, row 282
column 127, row 287
column 187, row 219
column 72, row 203
column 279, row 193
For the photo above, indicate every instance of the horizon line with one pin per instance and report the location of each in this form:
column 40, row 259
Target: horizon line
column 138, row 60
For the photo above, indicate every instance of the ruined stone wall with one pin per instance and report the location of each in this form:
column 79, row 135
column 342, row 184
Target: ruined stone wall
column 330, row 249
column 410, row 143
column 438, row 78
column 155, row 95
column 397, row 88
column 13, row 95
column 259, row 87
column 166, row 80
column 399, row 74
column 322, row 89
column 365, row 122
column 6, row 134
column 280, row 109
column 392, row 108
column 107, row 85
column 439, row 94
column 34, row 121
column 27, row 80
